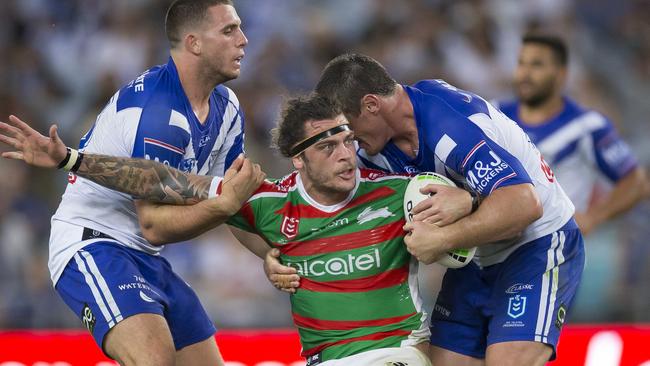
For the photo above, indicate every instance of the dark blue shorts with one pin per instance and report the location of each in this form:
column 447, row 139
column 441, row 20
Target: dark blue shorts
column 105, row 283
column 525, row 298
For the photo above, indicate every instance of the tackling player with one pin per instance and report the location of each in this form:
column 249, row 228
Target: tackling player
column 580, row 144
column 179, row 114
column 508, row 306
column 340, row 226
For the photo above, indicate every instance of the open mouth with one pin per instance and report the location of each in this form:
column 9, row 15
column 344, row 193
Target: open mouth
column 346, row 174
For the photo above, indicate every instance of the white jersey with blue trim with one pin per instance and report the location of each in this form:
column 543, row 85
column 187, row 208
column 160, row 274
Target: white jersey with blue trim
column 468, row 140
column 149, row 118
column 581, row 146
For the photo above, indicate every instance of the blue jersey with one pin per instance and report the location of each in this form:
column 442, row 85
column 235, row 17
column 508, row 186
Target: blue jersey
column 150, row 118
column 468, row 140
column 581, row 145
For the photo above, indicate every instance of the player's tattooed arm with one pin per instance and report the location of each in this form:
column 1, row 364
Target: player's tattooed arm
column 145, row 179
column 141, row 178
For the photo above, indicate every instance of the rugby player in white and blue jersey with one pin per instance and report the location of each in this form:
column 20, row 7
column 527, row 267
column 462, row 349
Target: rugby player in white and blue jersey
column 508, row 306
column 106, row 267
column 581, row 145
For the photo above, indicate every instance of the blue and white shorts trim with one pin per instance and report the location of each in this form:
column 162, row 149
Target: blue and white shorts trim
column 105, row 283
column 525, row 298
column 98, row 287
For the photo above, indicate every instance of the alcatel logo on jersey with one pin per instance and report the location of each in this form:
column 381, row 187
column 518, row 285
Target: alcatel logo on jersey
column 483, row 173
column 338, row 266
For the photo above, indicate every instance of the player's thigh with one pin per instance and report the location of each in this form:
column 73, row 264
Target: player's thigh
column 518, row 353
column 458, row 322
column 204, row 353
column 443, row 357
column 534, row 291
column 188, row 321
column 103, row 284
column 141, row 339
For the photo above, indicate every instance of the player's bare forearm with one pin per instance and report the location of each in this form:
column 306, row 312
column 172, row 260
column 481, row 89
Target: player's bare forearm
column 252, row 242
column 504, row 214
column 166, row 224
column 145, row 179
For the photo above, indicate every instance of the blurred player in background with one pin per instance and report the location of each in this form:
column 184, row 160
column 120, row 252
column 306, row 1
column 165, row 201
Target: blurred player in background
column 359, row 302
column 508, row 306
column 106, row 270
column 581, row 145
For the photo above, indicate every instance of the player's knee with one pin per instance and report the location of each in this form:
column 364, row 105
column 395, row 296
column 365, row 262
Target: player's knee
column 143, row 339
column 518, row 353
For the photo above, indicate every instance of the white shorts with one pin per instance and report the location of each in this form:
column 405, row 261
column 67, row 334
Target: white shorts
column 396, row 356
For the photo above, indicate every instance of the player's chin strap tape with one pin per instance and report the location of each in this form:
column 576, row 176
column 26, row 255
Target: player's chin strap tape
column 304, row 144
column 72, row 160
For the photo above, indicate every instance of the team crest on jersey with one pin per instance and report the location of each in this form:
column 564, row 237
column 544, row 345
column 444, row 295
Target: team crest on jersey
column 516, row 306
column 290, row 227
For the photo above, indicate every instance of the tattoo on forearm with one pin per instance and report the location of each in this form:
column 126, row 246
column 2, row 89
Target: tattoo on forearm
column 145, row 179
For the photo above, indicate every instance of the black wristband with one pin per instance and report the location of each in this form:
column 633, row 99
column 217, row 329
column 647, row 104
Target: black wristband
column 66, row 159
column 476, row 201
column 76, row 165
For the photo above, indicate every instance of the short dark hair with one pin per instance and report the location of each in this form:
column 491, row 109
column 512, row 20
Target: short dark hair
column 347, row 78
column 296, row 112
column 183, row 14
column 556, row 44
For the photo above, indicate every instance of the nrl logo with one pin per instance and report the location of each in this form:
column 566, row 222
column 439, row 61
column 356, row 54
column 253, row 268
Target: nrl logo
column 290, row 227
column 368, row 214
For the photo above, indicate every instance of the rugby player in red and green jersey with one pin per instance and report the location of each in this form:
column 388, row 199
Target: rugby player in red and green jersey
column 339, row 226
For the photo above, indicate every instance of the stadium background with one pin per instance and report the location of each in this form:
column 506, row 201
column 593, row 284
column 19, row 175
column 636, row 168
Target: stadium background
column 62, row 59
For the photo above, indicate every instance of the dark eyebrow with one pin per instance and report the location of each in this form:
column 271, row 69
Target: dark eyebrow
column 234, row 24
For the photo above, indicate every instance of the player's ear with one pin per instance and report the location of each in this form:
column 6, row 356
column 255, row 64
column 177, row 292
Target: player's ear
column 370, row 103
column 192, row 43
column 298, row 162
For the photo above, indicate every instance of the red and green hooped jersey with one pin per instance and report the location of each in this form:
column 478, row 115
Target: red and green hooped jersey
column 358, row 289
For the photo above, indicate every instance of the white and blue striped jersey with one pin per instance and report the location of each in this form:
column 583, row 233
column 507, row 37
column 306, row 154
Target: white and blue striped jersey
column 581, row 146
column 468, row 140
column 150, row 118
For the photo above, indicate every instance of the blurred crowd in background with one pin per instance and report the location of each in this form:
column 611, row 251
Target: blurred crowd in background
column 63, row 59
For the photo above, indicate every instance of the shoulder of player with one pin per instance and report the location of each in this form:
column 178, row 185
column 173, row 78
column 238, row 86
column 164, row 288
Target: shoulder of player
column 138, row 92
column 226, row 95
column 588, row 120
column 278, row 188
column 507, row 106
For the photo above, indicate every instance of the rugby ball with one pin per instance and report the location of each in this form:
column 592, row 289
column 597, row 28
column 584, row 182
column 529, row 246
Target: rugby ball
column 454, row 259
